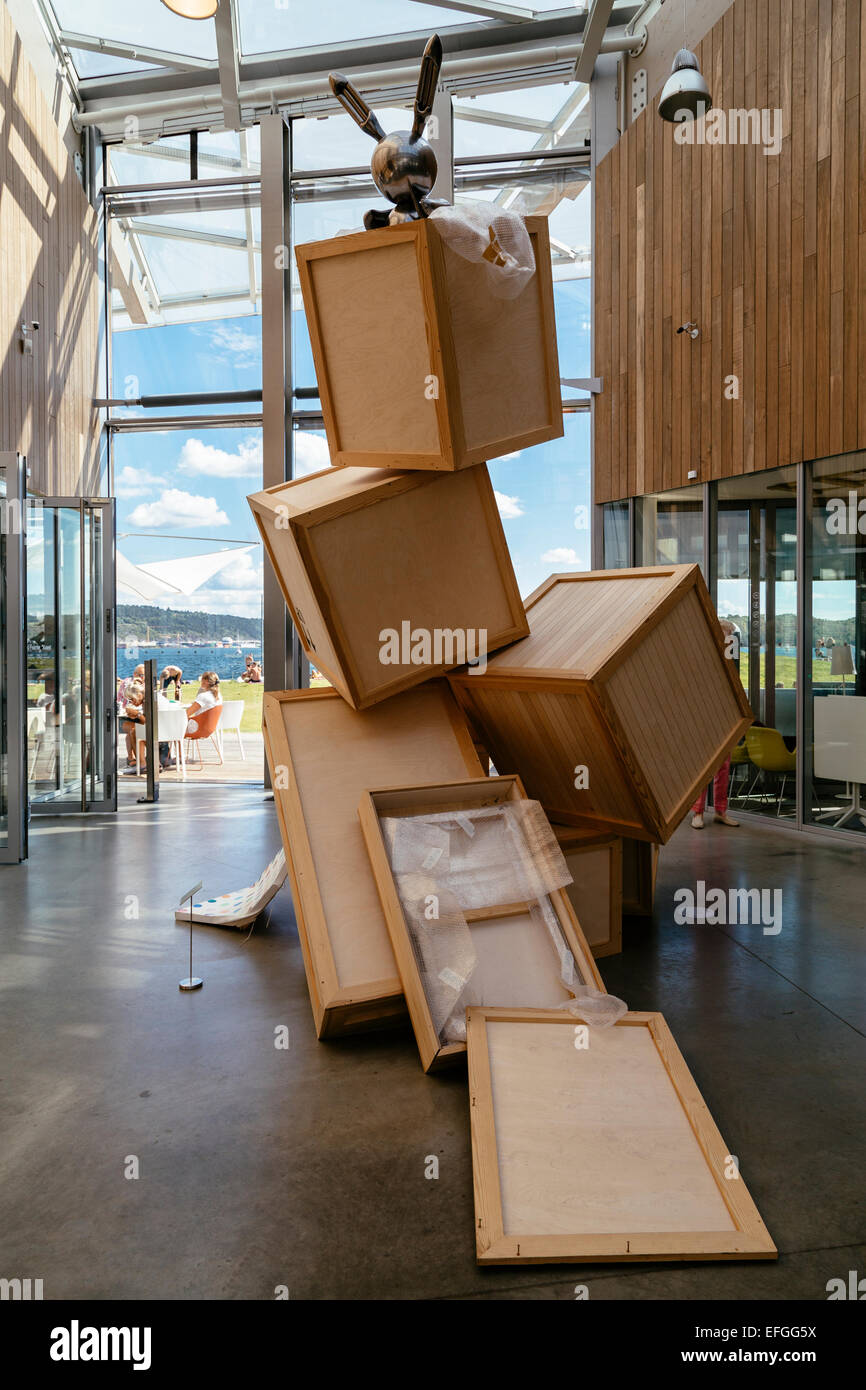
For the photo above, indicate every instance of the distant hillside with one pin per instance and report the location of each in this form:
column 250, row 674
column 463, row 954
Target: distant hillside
column 174, row 625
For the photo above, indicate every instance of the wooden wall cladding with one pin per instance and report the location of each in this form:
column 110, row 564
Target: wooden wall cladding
column 767, row 253
column 49, row 274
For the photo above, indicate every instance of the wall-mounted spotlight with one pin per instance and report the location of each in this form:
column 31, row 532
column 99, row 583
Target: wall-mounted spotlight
column 690, row 328
column 192, row 9
column 26, row 337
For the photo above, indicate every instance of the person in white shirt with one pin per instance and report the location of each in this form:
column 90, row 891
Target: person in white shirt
column 208, row 695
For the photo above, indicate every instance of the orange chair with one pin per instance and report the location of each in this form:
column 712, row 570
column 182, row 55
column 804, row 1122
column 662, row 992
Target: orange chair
column 204, row 724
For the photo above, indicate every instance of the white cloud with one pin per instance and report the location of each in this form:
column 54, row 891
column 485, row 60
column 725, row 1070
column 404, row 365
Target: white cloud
column 136, row 482
column 311, row 453
column 246, row 572
column 561, row 555
column 509, row 507
column 231, row 341
column 502, row 457
column 241, row 603
column 198, row 459
column 176, row 508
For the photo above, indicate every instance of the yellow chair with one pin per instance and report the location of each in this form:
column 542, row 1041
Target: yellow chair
column 739, row 759
column 768, row 752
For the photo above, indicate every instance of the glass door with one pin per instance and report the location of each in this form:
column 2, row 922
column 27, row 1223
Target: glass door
column 756, row 582
column 13, row 781
column 71, row 708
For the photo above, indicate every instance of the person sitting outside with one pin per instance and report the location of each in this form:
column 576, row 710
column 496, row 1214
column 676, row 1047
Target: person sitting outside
column 208, row 695
column 245, row 675
column 133, row 713
column 255, row 674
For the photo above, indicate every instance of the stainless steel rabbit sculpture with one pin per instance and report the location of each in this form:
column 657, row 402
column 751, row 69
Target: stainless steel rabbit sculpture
column 403, row 164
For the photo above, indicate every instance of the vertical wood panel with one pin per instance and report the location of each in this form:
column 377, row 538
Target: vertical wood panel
column 767, row 252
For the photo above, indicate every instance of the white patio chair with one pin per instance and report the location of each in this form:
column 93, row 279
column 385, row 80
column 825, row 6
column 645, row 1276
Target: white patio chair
column 171, row 726
column 230, row 722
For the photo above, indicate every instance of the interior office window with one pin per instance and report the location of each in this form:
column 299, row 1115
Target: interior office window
column 615, row 535
column 836, row 667
column 756, row 560
column 669, row 527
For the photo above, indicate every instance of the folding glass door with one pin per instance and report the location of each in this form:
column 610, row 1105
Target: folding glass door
column 13, row 806
column 71, row 709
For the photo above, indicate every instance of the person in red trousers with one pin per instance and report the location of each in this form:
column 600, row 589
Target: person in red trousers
column 723, row 776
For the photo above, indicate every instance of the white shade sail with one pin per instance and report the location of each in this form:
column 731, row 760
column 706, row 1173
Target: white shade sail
column 178, row 576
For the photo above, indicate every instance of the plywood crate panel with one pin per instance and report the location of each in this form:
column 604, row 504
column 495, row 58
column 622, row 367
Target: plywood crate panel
column 419, row 365
column 516, row 958
column 595, row 862
column 602, row 1153
column 322, row 755
column 623, row 674
column 360, row 551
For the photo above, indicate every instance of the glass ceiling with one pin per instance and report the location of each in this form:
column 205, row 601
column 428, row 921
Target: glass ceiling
column 264, row 27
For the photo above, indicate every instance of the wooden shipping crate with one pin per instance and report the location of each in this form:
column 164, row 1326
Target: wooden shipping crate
column 515, row 954
column 418, row 364
column 599, row 1153
column 639, row 868
column 322, row 755
column 619, row 705
column 361, row 553
column 595, row 861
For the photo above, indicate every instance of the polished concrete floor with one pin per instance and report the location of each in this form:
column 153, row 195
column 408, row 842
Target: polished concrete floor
column 305, row 1167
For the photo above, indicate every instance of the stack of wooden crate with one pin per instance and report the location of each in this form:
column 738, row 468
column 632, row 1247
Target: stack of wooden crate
column 605, row 696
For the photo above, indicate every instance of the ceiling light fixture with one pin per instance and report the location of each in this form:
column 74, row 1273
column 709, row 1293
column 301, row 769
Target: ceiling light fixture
column 685, row 95
column 192, row 9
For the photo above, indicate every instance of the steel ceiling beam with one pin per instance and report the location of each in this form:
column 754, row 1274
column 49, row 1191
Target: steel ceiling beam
column 136, row 53
column 487, row 9
column 226, row 26
column 593, row 33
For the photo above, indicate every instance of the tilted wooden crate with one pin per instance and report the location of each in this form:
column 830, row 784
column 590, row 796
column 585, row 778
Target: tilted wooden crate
column 361, row 553
column 595, row 860
column 322, row 755
column 419, row 365
column 620, row 704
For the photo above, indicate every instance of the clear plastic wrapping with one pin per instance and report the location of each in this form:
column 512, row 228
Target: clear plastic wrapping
column 493, row 237
column 448, row 864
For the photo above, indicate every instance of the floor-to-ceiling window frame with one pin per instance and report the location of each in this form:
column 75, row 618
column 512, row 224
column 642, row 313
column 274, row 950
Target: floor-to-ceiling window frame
column 184, row 366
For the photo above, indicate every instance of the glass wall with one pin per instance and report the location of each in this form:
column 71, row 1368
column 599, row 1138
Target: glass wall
column 835, row 694
column 669, row 528
column 804, row 760
column 186, row 449
column 756, row 590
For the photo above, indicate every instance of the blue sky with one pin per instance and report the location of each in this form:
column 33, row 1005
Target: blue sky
column 189, row 482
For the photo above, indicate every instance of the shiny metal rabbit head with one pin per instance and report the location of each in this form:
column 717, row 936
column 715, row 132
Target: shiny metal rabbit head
column 403, row 164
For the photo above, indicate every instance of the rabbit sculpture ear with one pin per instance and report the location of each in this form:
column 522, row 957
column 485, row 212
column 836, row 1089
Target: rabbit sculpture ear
column 427, row 79
column 352, row 101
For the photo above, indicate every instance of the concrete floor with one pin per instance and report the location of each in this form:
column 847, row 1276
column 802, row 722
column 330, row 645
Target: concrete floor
column 305, row 1167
